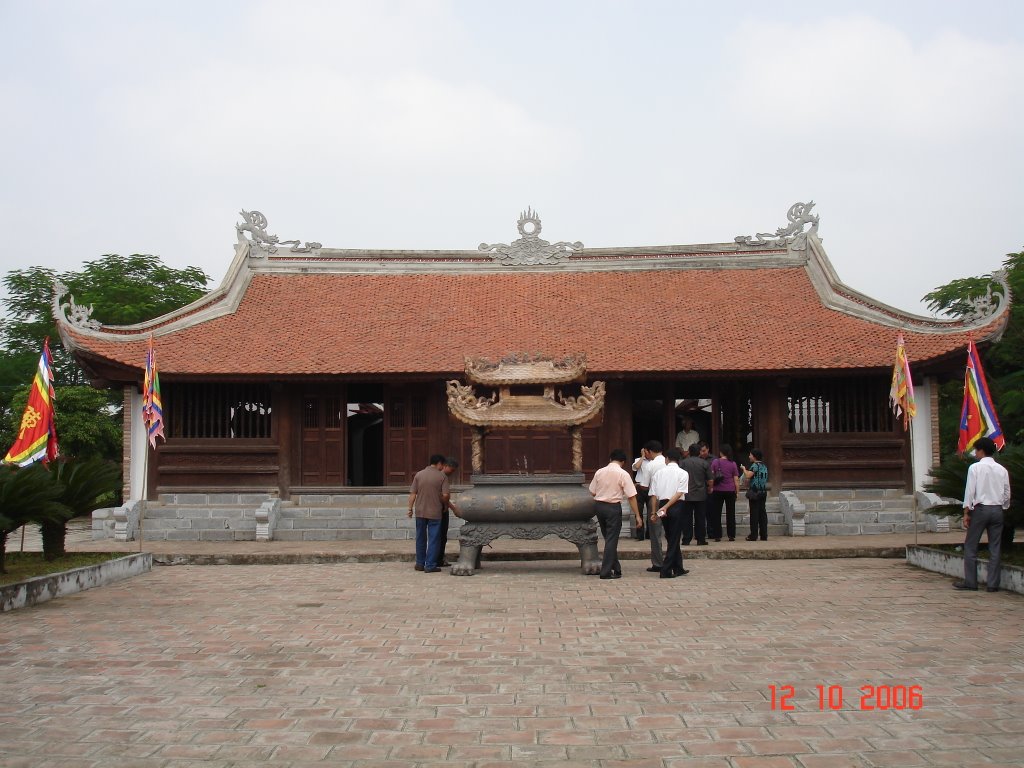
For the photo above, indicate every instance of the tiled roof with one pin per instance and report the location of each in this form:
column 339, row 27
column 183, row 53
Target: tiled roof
column 681, row 321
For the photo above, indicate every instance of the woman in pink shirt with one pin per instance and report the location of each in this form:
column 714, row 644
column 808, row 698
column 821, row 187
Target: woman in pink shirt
column 725, row 483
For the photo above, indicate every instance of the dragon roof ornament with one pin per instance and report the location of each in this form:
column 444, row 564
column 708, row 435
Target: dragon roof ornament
column 986, row 306
column 792, row 236
column 75, row 314
column 529, row 250
column 263, row 243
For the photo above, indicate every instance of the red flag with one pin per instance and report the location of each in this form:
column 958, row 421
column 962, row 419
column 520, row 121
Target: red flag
column 978, row 414
column 37, row 438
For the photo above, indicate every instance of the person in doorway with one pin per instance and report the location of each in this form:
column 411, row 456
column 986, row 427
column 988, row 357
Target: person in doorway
column 686, row 436
column 645, row 477
column 428, row 497
column 986, row 497
column 694, row 514
column 610, row 485
column 670, row 486
column 450, row 465
column 725, row 478
column 757, row 495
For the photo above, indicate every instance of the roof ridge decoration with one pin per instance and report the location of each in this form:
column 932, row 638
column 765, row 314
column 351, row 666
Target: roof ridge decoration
column 792, row 236
column 525, row 368
column 263, row 243
column 983, row 307
column 529, row 250
column 75, row 314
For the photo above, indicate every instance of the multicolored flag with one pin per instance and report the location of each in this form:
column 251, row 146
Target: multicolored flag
column 901, row 393
column 978, row 415
column 152, row 406
column 37, row 438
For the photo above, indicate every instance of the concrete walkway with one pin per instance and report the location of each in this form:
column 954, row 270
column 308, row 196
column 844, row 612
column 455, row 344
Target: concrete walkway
column 374, row 664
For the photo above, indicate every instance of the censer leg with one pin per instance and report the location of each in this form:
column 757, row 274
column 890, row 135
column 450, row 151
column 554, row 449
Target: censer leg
column 469, row 560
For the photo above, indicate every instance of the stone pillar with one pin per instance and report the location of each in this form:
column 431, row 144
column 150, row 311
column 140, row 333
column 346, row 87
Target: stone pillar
column 478, row 451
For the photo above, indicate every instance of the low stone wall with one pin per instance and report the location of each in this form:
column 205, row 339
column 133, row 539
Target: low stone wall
column 1011, row 578
column 43, row 588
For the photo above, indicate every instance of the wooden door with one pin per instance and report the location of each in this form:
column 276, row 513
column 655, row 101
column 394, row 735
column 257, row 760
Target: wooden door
column 322, row 438
column 406, row 449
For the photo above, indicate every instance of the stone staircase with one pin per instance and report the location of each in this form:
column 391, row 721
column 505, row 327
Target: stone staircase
column 382, row 516
column 848, row 512
column 250, row 517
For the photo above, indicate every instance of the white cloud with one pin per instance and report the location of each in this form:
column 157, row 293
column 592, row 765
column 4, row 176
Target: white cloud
column 860, row 79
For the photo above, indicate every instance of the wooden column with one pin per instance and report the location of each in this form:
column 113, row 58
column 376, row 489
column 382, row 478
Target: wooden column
column 283, row 404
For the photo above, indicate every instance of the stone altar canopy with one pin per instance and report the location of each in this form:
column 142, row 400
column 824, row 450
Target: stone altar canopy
column 526, row 506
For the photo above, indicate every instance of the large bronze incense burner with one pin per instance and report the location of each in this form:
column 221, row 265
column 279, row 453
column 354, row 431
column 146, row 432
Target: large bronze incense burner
column 526, row 506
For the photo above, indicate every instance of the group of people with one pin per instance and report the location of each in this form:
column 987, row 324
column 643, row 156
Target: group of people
column 681, row 492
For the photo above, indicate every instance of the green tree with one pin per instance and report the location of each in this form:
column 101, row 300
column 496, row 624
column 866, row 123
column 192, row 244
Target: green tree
column 123, row 290
column 1003, row 360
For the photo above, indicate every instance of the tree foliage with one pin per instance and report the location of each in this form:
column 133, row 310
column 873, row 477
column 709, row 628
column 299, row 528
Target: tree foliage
column 1003, row 360
column 123, row 290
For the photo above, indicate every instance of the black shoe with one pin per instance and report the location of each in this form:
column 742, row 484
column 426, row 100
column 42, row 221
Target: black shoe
column 765, row 538
column 419, row 567
column 431, row 570
column 682, row 572
column 964, row 585
column 686, row 543
column 654, row 569
column 702, row 543
column 671, row 575
column 720, row 539
column 731, row 538
column 445, row 564
column 991, row 589
column 612, row 576
column 751, row 538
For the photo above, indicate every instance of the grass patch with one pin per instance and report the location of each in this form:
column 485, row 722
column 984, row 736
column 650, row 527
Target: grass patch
column 27, row 565
column 1014, row 556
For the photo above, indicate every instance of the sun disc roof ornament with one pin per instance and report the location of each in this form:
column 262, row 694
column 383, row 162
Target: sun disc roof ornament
column 792, row 236
column 262, row 242
column 529, row 250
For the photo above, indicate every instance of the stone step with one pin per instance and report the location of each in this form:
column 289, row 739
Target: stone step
column 350, row 500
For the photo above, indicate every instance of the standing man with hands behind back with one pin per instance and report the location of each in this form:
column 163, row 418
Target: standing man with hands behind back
column 986, row 496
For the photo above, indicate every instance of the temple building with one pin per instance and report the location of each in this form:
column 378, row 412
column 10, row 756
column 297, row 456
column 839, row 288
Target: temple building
column 315, row 370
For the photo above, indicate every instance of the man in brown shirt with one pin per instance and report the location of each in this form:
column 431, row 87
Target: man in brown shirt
column 428, row 497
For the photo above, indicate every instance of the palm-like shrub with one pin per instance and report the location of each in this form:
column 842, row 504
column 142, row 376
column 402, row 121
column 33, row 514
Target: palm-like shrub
column 27, row 495
column 86, row 485
column 949, row 479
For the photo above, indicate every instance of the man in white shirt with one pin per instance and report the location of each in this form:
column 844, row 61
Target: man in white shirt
column 645, row 476
column 986, row 496
column 670, row 486
column 686, row 436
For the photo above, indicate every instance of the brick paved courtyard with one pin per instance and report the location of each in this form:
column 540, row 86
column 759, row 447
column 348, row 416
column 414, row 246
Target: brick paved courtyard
column 375, row 664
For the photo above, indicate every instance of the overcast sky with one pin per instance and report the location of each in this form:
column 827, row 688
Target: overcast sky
column 137, row 127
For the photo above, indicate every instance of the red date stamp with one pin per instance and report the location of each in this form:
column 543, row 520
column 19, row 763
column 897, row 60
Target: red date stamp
column 869, row 697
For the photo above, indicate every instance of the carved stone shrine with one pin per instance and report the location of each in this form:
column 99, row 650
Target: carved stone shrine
column 523, row 394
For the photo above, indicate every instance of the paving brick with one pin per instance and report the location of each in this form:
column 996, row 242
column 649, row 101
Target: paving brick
column 525, row 662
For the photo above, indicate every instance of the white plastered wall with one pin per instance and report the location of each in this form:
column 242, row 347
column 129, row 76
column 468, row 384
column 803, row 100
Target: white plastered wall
column 922, row 432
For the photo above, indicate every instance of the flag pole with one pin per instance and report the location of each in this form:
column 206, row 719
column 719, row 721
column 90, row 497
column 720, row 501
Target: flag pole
column 913, row 481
